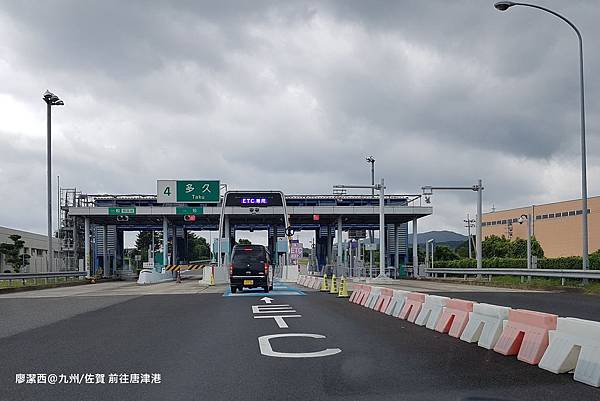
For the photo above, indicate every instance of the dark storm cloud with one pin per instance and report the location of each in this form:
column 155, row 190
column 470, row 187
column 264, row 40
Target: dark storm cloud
column 293, row 95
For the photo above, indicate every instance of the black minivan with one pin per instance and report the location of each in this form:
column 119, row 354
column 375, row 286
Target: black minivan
column 250, row 268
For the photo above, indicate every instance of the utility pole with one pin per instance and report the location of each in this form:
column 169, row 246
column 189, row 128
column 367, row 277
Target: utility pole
column 469, row 223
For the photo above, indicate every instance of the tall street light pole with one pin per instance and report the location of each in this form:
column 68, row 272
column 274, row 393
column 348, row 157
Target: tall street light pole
column 51, row 100
column 371, row 160
column 505, row 5
column 528, row 218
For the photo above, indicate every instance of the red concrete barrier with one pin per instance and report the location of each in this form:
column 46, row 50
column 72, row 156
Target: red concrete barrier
column 526, row 335
column 454, row 317
column 357, row 289
column 412, row 306
column 384, row 299
column 362, row 292
column 365, row 295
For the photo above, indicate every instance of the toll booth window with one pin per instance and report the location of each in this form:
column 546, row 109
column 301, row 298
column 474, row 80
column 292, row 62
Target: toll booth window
column 565, row 214
column 572, row 213
column 545, row 216
column 551, row 216
column 538, row 217
column 579, row 212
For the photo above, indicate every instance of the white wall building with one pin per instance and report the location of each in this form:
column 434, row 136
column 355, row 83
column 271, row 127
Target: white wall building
column 36, row 246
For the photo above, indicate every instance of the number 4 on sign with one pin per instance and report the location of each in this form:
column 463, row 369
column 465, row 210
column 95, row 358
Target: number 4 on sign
column 167, row 191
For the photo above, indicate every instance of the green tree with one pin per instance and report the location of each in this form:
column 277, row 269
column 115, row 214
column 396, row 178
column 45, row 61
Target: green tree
column 420, row 253
column 495, row 247
column 198, row 248
column 443, row 252
column 518, row 248
column 13, row 255
column 463, row 250
column 143, row 242
column 244, row 241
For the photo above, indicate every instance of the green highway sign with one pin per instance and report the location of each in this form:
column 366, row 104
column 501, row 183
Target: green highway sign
column 197, row 191
column 121, row 210
column 189, row 210
column 188, row 191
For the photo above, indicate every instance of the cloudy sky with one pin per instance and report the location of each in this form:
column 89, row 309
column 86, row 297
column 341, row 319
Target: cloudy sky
column 293, row 95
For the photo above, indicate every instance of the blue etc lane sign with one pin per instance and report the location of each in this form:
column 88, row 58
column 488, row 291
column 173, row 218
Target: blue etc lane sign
column 254, row 201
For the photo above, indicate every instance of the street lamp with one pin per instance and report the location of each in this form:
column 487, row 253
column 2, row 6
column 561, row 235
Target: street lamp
column 51, row 100
column 505, row 5
column 371, row 159
column 528, row 218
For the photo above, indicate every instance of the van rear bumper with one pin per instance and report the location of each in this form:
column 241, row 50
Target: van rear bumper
column 257, row 281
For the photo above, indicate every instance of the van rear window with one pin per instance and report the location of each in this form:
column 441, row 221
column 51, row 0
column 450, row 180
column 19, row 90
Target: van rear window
column 255, row 256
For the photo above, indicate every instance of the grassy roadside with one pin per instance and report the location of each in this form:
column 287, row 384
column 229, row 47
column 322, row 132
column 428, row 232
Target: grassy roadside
column 33, row 284
column 536, row 283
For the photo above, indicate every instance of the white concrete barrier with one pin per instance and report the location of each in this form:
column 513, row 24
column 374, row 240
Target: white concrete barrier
column 575, row 344
column 431, row 311
column 485, row 325
column 289, row 273
column 151, row 276
column 397, row 303
column 316, row 284
column 373, row 296
column 220, row 275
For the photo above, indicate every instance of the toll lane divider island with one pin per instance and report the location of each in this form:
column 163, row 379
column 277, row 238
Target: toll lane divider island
column 557, row 344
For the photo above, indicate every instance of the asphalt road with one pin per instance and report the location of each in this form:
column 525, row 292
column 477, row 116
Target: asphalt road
column 205, row 347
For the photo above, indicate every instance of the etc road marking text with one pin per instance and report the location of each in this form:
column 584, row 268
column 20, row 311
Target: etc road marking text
column 279, row 313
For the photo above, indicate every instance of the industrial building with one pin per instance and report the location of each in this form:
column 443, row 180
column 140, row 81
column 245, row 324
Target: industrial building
column 557, row 226
column 36, row 246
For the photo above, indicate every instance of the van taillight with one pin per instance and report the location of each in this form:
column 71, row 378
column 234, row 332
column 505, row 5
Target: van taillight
column 266, row 268
column 231, row 269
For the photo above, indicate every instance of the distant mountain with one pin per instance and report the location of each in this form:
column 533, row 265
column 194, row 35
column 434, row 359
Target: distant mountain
column 439, row 237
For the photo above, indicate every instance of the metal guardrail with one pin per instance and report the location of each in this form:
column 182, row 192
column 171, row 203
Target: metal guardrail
column 558, row 273
column 47, row 275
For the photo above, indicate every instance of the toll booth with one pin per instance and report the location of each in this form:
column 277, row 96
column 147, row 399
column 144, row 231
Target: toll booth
column 107, row 217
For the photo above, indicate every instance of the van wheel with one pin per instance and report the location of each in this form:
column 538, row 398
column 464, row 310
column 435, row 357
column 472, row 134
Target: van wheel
column 233, row 289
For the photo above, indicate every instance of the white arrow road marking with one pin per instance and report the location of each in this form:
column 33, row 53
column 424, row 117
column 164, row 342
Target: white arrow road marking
column 278, row 319
column 267, row 300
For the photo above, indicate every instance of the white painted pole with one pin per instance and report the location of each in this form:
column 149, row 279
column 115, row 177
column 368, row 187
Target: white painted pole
column 340, row 248
column 105, row 251
column 87, row 246
column 165, row 240
column 227, row 235
column 478, row 228
column 529, row 241
column 382, row 230
column 415, row 248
